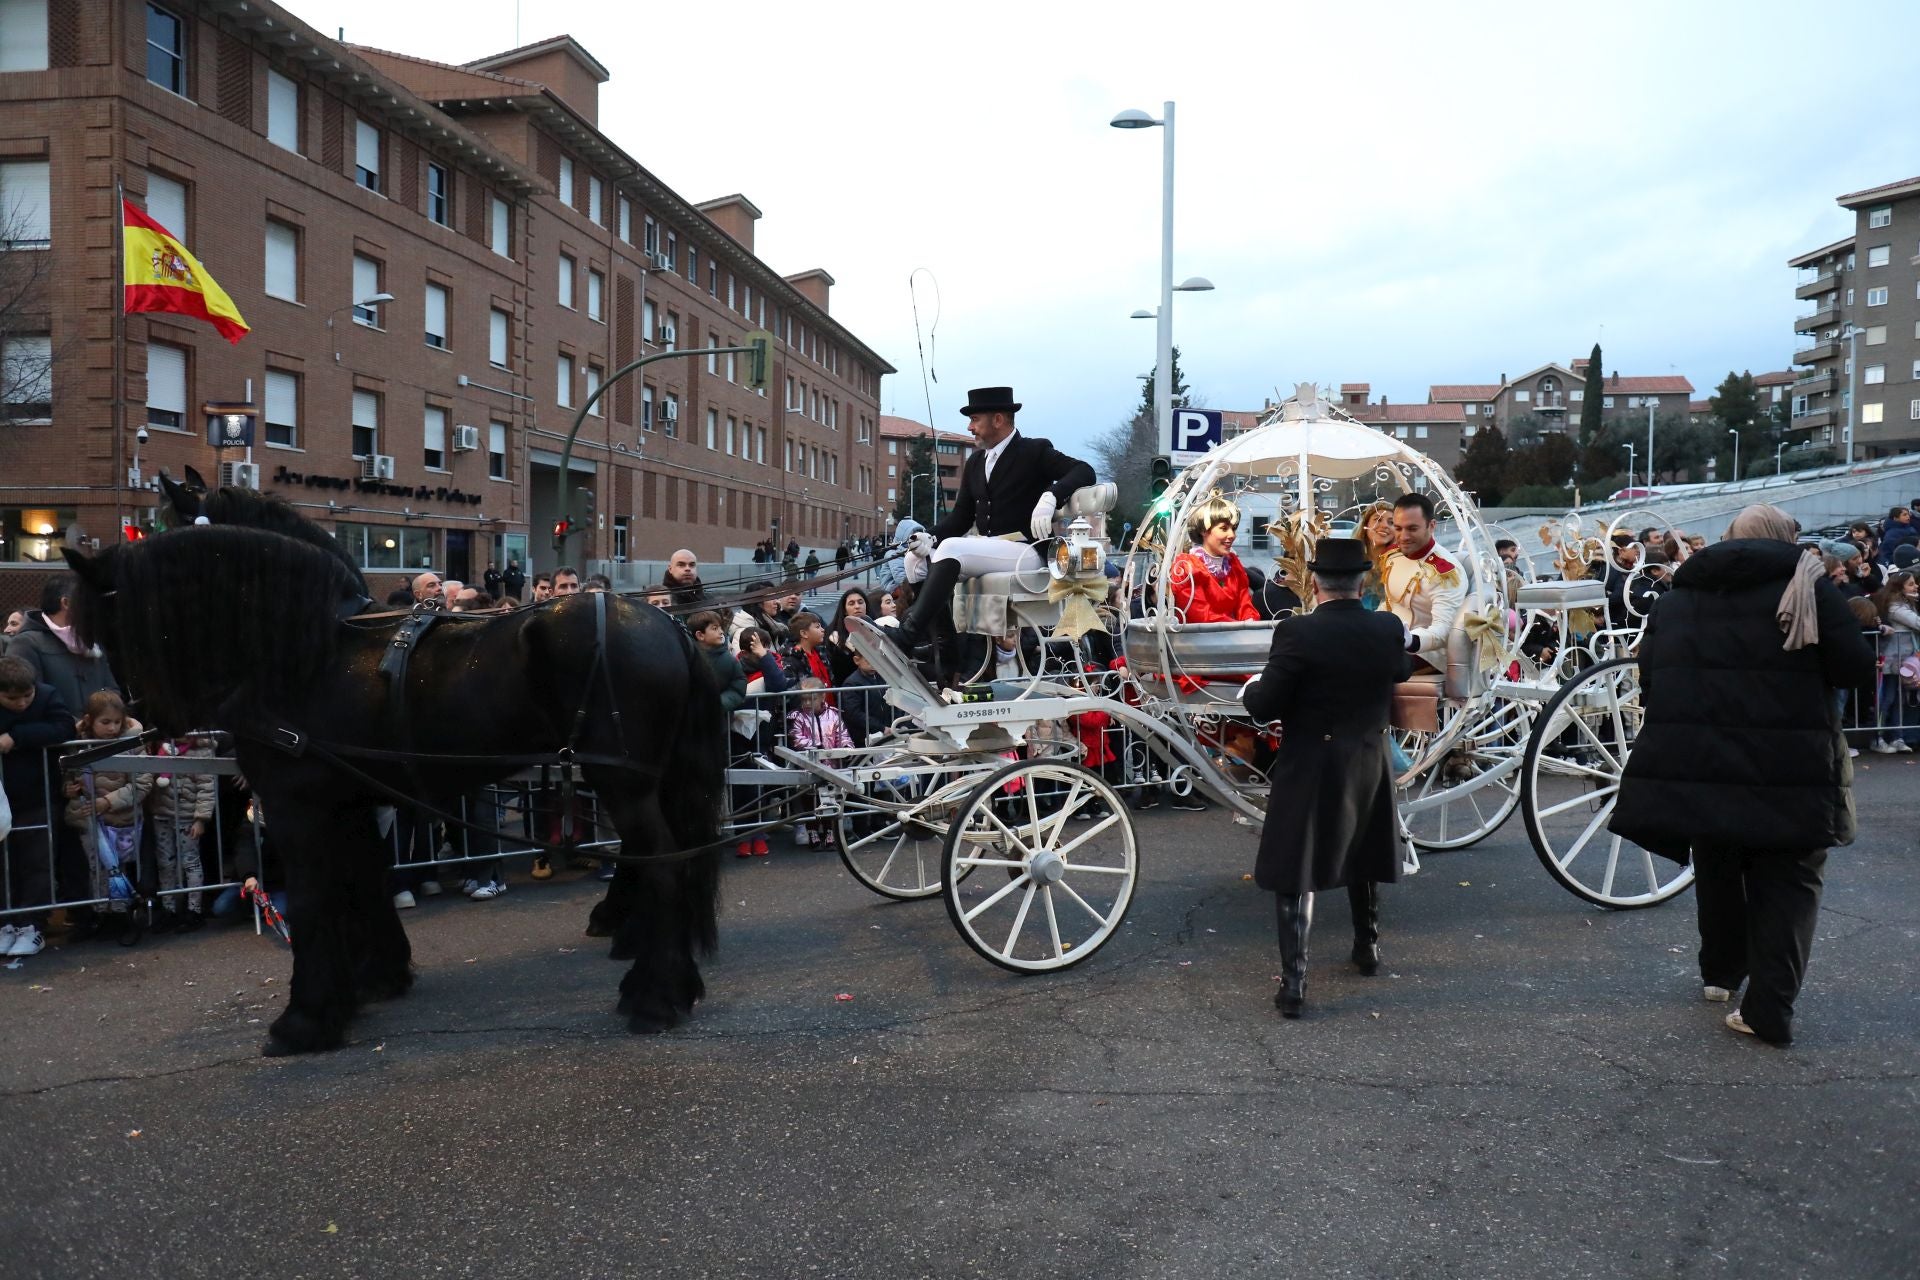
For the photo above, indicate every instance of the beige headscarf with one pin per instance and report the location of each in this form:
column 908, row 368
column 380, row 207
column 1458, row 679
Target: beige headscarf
column 1796, row 612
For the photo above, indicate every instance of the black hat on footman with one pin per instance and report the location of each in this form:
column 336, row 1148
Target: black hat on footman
column 990, row 400
column 1339, row 555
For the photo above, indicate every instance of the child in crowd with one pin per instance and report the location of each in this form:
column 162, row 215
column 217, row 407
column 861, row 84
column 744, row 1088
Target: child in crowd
column 182, row 811
column 710, row 633
column 863, row 704
column 815, row 725
column 32, row 718
column 808, row 660
column 105, row 807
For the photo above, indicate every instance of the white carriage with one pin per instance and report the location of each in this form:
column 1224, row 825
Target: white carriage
column 988, row 803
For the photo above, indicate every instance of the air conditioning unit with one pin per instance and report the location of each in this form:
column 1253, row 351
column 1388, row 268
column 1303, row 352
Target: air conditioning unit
column 666, row 335
column 466, row 439
column 240, row 475
column 377, row 467
column 670, row 412
column 660, row 261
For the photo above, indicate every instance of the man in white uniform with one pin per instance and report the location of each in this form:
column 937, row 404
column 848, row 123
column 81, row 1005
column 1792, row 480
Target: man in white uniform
column 1423, row 586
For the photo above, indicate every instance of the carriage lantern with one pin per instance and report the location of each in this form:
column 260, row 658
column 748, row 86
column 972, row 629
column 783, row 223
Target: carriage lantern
column 1078, row 554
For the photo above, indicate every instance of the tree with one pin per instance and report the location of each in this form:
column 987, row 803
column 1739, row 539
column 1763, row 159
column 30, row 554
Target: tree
column 1736, row 403
column 26, row 324
column 1124, row 454
column 918, row 476
column 1593, row 400
column 1680, row 445
column 1483, row 469
column 1180, row 387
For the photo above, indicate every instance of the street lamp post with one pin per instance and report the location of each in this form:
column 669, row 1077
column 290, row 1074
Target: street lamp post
column 1777, row 451
column 377, row 300
column 913, row 493
column 1631, row 451
column 1736, row 452
column 1653, row 402
column 1853, row 379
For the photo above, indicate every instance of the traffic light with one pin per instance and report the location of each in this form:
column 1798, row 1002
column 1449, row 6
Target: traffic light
column 760, row 361
column 1162, row 476
column 561, row 528
column 585, row 505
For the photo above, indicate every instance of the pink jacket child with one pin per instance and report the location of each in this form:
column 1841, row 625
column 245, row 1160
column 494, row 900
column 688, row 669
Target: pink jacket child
column 815, row 726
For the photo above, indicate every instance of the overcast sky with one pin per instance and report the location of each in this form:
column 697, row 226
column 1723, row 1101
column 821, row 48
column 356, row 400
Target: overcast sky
column 1394, row 193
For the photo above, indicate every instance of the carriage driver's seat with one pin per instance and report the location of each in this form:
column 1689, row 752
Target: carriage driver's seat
column 998, row 604
column 1416, row 702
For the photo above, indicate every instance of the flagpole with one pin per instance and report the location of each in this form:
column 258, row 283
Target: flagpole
column 118, row 415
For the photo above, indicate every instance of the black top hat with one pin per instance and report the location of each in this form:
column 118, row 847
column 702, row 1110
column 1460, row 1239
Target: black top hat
column 1339, row 555
column 990, row 400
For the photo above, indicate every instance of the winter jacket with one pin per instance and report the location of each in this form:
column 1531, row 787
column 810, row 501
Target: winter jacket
column 864, row 706
column 1904, row 641
column 46, row 722
column 817, row 730
column 1894, row 535
column 728, row 675
column 184, row 796
column 1741, row 746
column 74, row 676
column 771, row 672
column 800, row 665
column 125, row 794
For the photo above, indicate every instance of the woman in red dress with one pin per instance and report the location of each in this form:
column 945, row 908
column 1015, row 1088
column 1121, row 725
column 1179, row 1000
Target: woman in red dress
column 1208, row 583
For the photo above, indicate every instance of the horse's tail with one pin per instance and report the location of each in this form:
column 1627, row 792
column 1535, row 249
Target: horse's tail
column 692, row 791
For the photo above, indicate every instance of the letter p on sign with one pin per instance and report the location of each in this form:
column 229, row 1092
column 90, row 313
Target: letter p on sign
column 1194, row 432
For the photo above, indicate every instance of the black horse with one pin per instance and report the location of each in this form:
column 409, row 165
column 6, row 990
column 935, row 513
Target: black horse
column 245, row 629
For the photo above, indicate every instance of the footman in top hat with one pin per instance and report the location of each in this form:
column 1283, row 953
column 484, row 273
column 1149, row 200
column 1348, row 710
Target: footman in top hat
column 1009, row 491
column 1331, row 816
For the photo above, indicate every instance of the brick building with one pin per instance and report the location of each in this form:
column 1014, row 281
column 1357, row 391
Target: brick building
column 1870, row 281
column 524, row 256
column 1552, row 396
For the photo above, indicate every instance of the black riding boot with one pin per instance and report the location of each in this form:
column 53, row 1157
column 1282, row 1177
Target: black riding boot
column 1365, row 900
column 1296, row 919
column 931, row 618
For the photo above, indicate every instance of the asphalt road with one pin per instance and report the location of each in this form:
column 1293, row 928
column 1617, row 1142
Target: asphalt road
column 1537, row 1090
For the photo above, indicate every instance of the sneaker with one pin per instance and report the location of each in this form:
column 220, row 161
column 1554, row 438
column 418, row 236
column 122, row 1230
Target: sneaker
column 430, row 888
column 1738, row 1023
column 6, row 938
column 468, row 886
column 1190, row 803
column 759, row 846
column 744, row 849
column 403, row 900
column 803, row 837
column 542, row 869
column 489, row 891
column 1901, row 747
column 1853, row 753
column 1716, row 995
column 1881, row 747
column 27, row 941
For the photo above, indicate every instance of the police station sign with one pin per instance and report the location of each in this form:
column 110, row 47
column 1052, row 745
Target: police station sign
column 1192, row 432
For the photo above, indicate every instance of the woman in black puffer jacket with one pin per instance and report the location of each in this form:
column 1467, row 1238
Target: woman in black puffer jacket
column 1740, row 761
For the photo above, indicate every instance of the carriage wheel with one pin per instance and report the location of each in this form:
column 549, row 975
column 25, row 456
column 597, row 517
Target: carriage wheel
column 1476, row 786
column 1055, row 847
column 900, row 854
column 1571, row 781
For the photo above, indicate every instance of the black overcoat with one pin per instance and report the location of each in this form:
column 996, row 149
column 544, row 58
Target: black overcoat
column 1741, row 745
column 1004, row 503
column 1331, row 817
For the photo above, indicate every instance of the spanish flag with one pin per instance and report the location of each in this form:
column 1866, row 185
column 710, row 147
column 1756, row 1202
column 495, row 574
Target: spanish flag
column 162, row 276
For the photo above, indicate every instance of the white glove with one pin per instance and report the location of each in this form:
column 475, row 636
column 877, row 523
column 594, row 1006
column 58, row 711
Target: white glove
column 1042, row 527
column 920, row 544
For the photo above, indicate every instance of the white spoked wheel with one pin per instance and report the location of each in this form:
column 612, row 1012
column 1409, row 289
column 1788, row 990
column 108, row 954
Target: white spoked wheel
column 1054, row 848
column 1465, row 796
column 898, row 852
column 1571, row 782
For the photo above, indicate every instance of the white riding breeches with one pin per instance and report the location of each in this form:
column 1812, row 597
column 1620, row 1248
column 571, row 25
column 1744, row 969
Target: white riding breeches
column 981, row 556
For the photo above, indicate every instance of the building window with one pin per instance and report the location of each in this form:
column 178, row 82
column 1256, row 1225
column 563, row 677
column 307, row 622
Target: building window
column 497, row 338
column 594, row 210
column 1606, row 402
column 366, row 424
column 1879, row 217
column 1576, row 395
column 563, row 385
column 166, row 204
column 670, row 335
column 1876, row 335
column 596, row 293
column 437, row 316
column 366, row 283
column 593, row 385
column 23, row 35
column 1419, row 433
column 366, row 154
column 26, row 218
column 759, row 444
column 1879, row 255
column 646, row 408
column 650, row 235
column 500, row 227
column 731, row 303
column 1872, row 413
column 693, row 265
column 1849, row 298
column 732, row 368
column 713, row 361
column 1473, row 410
column 26, row 378
column 624, row 214
column 434, row 455
column 166, row 50
column 283, row 262
column 1633, row 402
column 166, row 387
column 568, row 267
column 672, row 254
column 379, row 546
column 713, row 428
column 496, row 451
column 1873, row 373
column 649, row 323
column 1521, row 397
column 671, row 427
column 566, row 181
column 733, row 433
column 713, row 278
column 621, row 526
column 440, row 194
column 1877, row 297
column 1913, row 410
column 283, row 408
column 283, row 111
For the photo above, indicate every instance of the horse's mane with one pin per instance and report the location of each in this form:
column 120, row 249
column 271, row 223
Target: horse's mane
column 203, row 614
column 269, row 511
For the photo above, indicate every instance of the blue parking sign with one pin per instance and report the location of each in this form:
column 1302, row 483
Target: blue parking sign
column 1194, row 431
